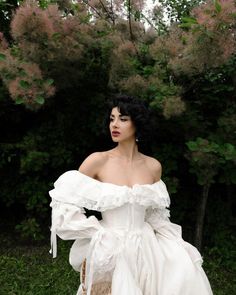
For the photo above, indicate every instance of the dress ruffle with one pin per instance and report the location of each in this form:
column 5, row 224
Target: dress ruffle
column 76, row 188
column 137, row 255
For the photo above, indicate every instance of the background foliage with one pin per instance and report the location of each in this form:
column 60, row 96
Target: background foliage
column 61, row 60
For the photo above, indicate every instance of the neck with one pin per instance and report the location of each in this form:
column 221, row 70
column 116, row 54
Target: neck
column 127, row 150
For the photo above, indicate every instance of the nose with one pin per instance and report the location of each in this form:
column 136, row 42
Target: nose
column 114, row 123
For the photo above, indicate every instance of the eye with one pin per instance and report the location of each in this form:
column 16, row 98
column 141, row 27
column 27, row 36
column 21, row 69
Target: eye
column 111, row 119
column 124, row 118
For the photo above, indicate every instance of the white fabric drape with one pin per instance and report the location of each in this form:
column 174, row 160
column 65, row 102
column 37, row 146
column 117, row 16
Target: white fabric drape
column 134, row 246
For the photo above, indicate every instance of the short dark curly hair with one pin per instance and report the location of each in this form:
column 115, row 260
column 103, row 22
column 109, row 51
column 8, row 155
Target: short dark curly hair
column 136, row 109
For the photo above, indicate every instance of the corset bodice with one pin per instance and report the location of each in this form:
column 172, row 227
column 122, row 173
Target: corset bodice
column 128, row 216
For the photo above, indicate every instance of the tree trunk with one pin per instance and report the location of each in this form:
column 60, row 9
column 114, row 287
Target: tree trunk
column 200, row 217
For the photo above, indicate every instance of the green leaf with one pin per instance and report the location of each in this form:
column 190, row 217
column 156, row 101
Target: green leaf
column 24, row 84
column 43, row 4
column 2, row 56
column 191, row 145
column 49, row 81
column 137, row 15
column 189, row 20
column 56, row 36
column 19, row 100
column 185, row 25
column 39, row 99
column 21, row 73
column 217, row 6
column 15, row 51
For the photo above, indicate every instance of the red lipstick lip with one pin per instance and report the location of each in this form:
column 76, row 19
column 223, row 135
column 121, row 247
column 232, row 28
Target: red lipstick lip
column 115, row 133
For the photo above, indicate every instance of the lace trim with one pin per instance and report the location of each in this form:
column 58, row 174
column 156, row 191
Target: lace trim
column 73, row 187
column 159, row 214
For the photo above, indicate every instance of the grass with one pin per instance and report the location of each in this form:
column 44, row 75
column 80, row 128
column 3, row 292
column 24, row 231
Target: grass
column 221, row 271
column 30, row 270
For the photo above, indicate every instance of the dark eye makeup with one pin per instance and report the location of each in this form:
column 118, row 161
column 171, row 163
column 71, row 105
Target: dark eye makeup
column 122, row 118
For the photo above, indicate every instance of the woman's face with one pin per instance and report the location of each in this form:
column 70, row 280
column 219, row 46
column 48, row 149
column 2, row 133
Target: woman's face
column 121, row 126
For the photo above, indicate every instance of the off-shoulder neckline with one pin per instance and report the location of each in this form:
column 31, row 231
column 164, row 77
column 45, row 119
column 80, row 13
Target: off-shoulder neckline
column 118, row 185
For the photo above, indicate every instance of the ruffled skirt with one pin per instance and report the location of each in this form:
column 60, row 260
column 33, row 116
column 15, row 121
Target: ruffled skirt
column 142, row 263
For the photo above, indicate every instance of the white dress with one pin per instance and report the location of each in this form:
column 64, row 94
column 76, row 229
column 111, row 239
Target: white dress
column 134, row 246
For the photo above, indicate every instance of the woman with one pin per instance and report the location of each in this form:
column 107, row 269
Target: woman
column 134, row 249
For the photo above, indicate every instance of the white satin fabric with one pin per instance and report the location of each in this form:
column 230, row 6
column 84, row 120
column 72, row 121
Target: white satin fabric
column 134, row 246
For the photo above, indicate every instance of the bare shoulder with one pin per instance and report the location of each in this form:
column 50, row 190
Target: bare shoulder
column 155, row 167
column 92, row 164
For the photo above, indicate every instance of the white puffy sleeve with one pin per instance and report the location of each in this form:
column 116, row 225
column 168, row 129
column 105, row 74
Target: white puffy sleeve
column 68, row 219
column 158, row 216
column 158, row 213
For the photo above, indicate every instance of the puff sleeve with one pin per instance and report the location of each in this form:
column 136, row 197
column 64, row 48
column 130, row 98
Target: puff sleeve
column 68, row 219
column 159, row 219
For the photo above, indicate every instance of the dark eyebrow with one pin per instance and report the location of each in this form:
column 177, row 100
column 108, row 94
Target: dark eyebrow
column 119, row 115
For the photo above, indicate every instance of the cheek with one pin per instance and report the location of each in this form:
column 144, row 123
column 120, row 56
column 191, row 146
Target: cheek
column 131, row 128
